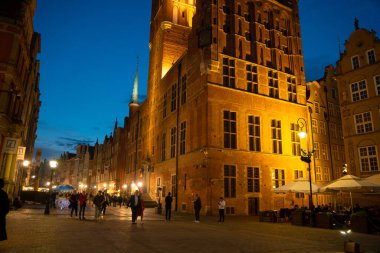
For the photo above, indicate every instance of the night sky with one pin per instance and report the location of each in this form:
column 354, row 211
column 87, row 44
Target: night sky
column 90, row 50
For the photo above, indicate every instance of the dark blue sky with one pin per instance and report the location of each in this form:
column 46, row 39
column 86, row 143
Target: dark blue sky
column 90, row 49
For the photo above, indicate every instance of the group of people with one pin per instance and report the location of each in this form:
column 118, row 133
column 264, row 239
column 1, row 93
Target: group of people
column 75, row 200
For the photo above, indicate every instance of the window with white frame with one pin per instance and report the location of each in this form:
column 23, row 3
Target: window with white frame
column 368, row 159
column 371, row 56
column 335, row 152
column 326, row 174
column 316, row 150
column 278, row 178
column 276, row 136
column 355, row 62
column 324, row 153
column 377, row 84
column 359, row 91
column 322, row 127
column 298, row 174
column 314, row 126
column 318, row 173
column 363, row 122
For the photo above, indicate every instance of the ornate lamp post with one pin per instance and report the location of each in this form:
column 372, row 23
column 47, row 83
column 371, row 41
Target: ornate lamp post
column 306, row 155
column 53, row 165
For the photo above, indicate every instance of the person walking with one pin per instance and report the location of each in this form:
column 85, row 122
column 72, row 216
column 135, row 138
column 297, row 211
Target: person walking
column 82, row 205
column 4, row 210
column 197, row 207
column 140, row 210
column 221, row 207
column 133, row 203
column 98, row 202
column 168, row 207
column 74, row 203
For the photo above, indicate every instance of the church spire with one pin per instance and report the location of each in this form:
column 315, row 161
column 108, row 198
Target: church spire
column 134, row 99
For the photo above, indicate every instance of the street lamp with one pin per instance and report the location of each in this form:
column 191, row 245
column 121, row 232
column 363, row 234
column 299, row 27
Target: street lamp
column 53, row 165
column 306, row 155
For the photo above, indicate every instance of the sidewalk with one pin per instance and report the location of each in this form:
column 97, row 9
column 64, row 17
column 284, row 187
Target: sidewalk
column 29, row 230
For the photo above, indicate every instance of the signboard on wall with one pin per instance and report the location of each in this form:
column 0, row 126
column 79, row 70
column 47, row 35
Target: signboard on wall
column 10, row 145
column 21, row 153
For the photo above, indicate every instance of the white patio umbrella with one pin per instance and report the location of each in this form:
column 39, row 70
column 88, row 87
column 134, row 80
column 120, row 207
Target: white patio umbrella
column 350, row 183
column 300, row 185
column 374, row 179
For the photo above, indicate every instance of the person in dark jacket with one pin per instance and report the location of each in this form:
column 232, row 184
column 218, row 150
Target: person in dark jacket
column 197, row 207
column 82, row 204
column 168, row 206
column 134, row 204
column 74, row 203
column 4, row 210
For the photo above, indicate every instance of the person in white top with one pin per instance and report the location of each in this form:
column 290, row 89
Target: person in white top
column 221, row 206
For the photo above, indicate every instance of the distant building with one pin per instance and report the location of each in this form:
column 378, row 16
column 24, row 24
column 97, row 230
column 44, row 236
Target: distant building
column 19, row 90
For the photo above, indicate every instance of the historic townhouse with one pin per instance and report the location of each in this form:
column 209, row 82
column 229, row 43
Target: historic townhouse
column 19, row 90
column 358, row 77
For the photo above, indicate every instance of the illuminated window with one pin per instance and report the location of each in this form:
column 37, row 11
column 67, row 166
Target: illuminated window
column 252, row 84
column 230, row 130
column 333, row 131
column 229, row 181
column 292, row 89
column 296, row 144
column 254, row 133
column 368, row 159
column 173, row 139
column 359, row 91
column 228, row 72
column 363, row 122
column 278, row 178
column 253, row 179
column 371, row 56
column 182, row 147
column 355, row 62
column 276, row 136
column 273, row 84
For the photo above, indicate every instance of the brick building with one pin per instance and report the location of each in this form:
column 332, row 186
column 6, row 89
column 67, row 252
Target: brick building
column 19, row 89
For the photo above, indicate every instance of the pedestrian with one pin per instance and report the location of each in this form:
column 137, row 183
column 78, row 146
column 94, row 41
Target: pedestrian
column 140, row 210
column 133, row 203
column 106, row 202
column 221, row 207
column 82, row 205
column 168, row 207
column 197, row 207
column 74, row 203
column 98, row 202
column 4, row 210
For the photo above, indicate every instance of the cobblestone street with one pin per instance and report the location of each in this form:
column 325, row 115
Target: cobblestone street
column 29, row 230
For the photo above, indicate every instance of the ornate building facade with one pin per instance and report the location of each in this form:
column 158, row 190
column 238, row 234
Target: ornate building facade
column 19, row 90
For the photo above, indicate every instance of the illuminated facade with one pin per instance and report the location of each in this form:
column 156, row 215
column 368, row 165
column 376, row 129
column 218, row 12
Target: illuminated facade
column 19, row 89
column 358, row 77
